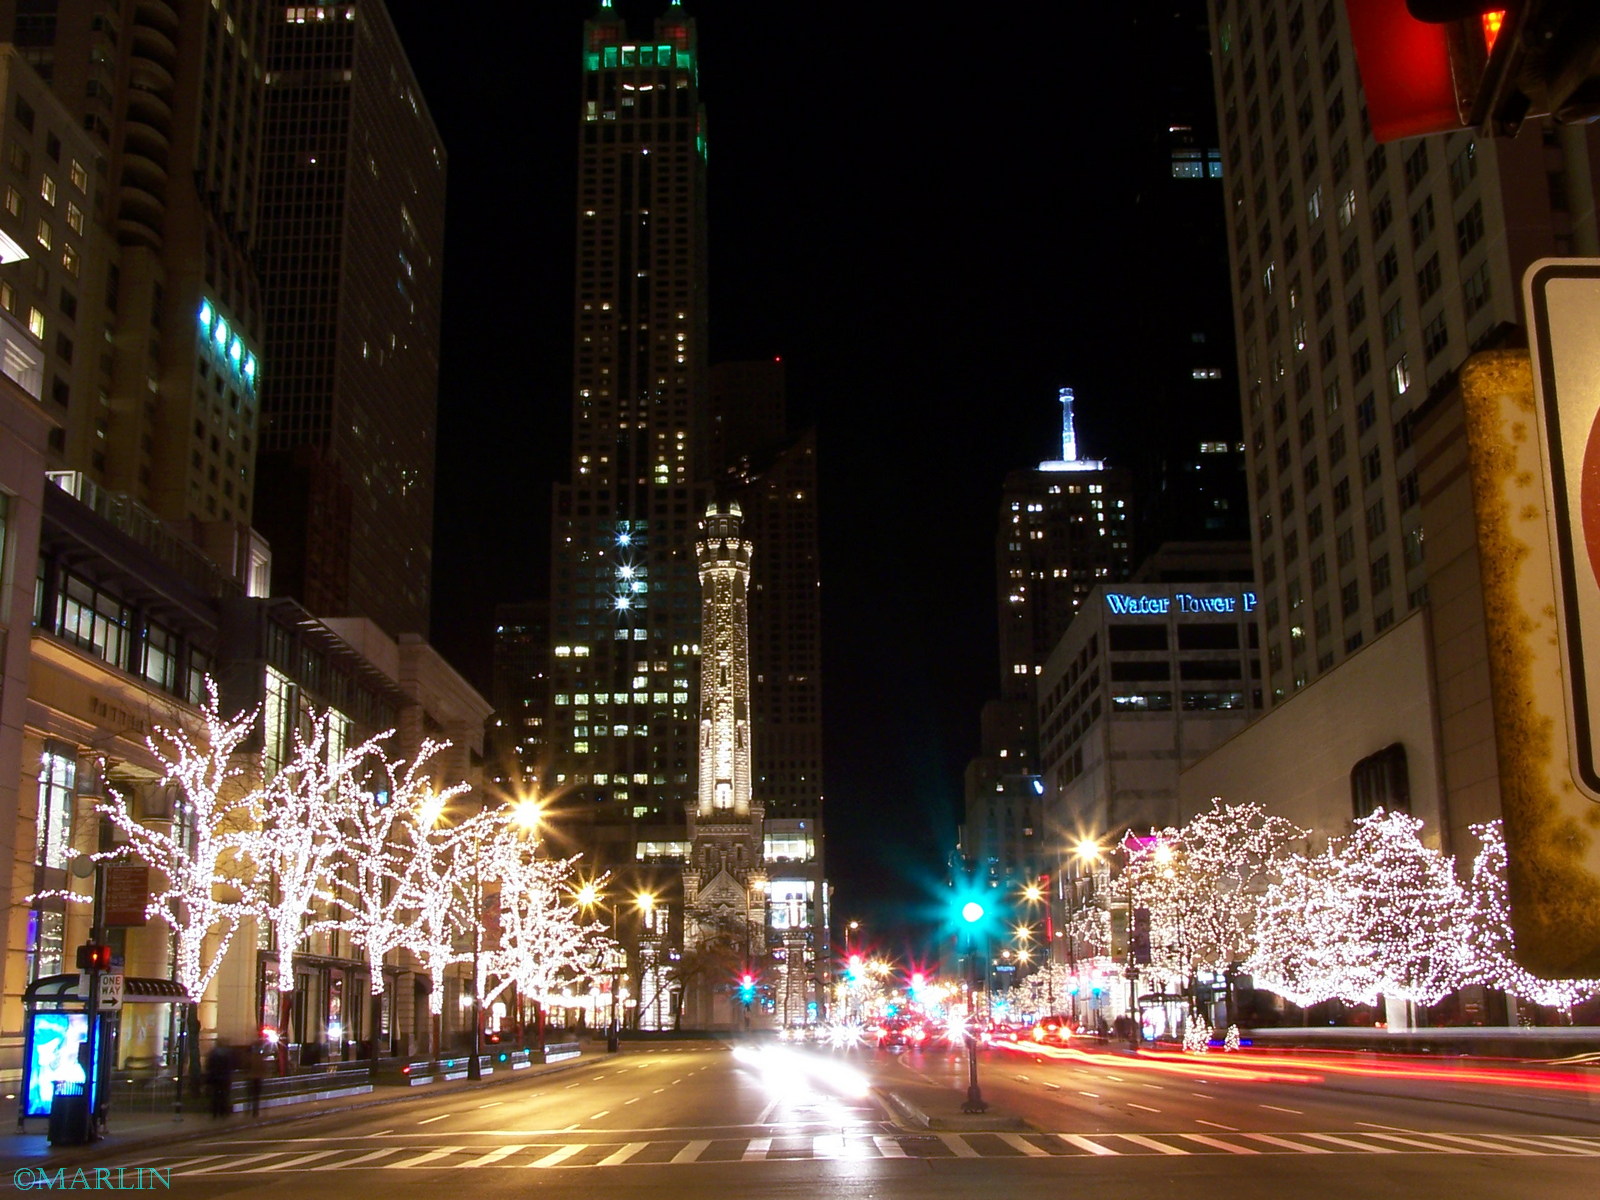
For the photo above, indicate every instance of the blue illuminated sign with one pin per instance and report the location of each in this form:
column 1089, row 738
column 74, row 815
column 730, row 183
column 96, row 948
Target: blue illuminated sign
column 1125, row 604
column 226, row 346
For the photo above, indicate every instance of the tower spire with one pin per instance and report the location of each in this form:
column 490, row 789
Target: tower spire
column 1069, row 437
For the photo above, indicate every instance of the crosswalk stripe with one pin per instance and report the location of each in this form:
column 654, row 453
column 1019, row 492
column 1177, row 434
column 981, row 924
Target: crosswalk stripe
column 559, row 1154
column 1479, row 1143
column 187, row 1162
column 1023, row 1144
column 370, row 1156
column 690, row 1152
column 1083, row 1143
column 495, row 1155
column 430, row 1156
column 756, row 1151
column 621, row 1154
column 1139, row 1139
column 293, row 1162
column 958, row 1146
column 232, row 1164
column 1405, row 1141
column 827, row 1145
column 1351, row 1143
column 1207, row 1140
column 889, row 1147
column 1287, row 1144
column 1575, row 1145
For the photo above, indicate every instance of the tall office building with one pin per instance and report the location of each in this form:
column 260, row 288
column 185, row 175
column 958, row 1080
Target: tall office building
column 1065, row 526
column 352, row 219
column 170, row 96
column 1363, row 276
column 625, row 605
column 772, row 475
column 520, row 691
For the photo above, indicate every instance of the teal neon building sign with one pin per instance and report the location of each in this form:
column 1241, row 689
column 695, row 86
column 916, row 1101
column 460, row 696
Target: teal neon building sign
column 226, row 347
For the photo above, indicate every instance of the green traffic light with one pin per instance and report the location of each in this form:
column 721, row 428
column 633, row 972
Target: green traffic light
column 972, row 912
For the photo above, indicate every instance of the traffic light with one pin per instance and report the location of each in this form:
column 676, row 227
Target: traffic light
column 1435, row 66
column 918, row 982
column 92, row 957
column 853, row 968
column 747, row 988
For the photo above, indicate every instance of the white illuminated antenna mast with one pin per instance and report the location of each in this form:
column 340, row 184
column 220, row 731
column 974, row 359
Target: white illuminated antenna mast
column 1069, row 460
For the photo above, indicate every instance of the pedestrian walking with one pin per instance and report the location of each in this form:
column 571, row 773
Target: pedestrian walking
column 255, row 1073
column 219, row 1076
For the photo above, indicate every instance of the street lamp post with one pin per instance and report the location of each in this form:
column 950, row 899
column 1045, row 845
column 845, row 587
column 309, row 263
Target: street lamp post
column 972, row 913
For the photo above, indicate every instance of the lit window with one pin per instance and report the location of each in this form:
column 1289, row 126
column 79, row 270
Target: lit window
column 79, row 177
column 74, row 217
column 69, row 260
column 44, row 233
column 47, row 189
column 36, row 323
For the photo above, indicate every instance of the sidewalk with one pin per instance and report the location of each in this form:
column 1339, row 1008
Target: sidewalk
column 139, row 1132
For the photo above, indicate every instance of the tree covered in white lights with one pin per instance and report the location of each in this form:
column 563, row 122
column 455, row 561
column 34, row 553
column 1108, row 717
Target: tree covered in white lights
column 544, row 938
column 1203, row 886
column 372, row 884
column 204, row 886
column 1491, row 946
column 297, row 837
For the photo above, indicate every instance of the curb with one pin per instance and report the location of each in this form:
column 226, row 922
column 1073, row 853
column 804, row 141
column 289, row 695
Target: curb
column 906, row 1114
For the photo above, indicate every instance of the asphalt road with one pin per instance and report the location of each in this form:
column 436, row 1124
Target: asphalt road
column 706, row 1120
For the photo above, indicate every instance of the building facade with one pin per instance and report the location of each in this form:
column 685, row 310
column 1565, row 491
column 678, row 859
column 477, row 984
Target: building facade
column 352, row 222
column 1364, row 275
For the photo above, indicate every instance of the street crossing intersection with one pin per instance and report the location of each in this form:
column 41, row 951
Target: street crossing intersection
column 682, row 1151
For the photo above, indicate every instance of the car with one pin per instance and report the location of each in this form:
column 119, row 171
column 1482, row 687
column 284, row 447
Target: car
column 1052, row 1031
column 895, row 1035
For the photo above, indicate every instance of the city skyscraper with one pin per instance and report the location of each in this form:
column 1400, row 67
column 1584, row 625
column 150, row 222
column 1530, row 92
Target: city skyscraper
column 625, row 606
column 1065, row 526
column 1364, row 275
column 171, row 97
column 352, row 218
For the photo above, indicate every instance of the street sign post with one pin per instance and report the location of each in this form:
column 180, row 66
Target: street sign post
column 111, row 992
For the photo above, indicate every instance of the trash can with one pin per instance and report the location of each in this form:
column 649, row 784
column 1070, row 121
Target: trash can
column 69, row 1115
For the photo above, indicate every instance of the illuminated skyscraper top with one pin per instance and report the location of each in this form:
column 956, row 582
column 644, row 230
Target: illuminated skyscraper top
column 1069, row 460
column 625, row 596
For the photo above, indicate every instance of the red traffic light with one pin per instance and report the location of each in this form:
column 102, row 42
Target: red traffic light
column 93, row 957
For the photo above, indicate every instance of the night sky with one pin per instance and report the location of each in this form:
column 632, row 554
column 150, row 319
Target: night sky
column 928, row 216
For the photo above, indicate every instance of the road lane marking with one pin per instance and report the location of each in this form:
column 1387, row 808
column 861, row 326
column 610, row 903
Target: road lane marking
column 1052, row 1087
column 1202, row 1095
column 1091, row 1095
column 1083, row 1143
column 233, row 1163
column 1275, row 1108
column 1155, row 1087
column 1024, row 1078
column 1205, row 1139
column 1542, row 1140
column 495, row 1155
column 690, row 1152
column 559, row 1154
column 631, row 1100
column 958, row 1146
column 1143, row 1107
column 492, row 1104
column 1405, row 1141
column 1285, row 1142
column 756, row 1151
column 621, row 1154
column 658, row 1091
column 1138, row 1139
column 572, row 1085
column 1118, row 1078
column 1390, row 1128
column 1351, row 1144
column 889, row 1147
column 602, row 1113
column 1017, row 1141
column 431, row 1120
column 362, row 1158
column 293, row 1162
column 1216, row 1125
column 1479, row 1144
column 430, row 1156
